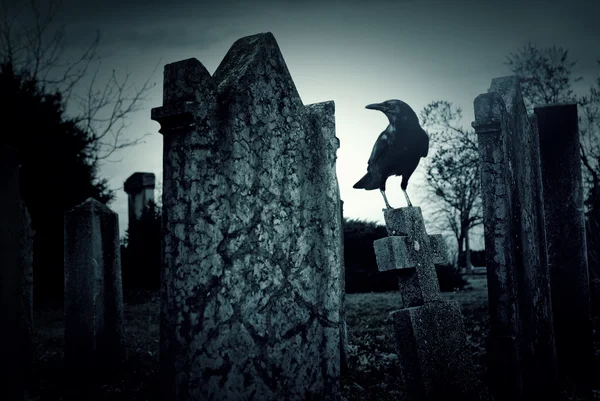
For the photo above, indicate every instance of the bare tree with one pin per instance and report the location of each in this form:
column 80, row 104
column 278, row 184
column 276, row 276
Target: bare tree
column 546, row 74
column 452, row 173
column 547, row 77
column 33, row 42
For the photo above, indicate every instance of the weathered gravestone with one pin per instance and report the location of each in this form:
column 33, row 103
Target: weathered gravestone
column 250, row 293
column 16, row 281
column 139, row 188
column 521, row 353
column 94, row 337
column 429, row 332
column 567, row 252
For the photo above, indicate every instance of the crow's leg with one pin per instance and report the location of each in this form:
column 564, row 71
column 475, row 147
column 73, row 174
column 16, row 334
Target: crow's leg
column 403, row 185
column 387, row 204
column 406, row 196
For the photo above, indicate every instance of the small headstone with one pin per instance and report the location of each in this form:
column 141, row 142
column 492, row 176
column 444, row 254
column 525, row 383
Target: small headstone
column 250, row 297
column 521, row 353
column 430, row 335
column 140, row 191
column 94, row 337
column 567, row 252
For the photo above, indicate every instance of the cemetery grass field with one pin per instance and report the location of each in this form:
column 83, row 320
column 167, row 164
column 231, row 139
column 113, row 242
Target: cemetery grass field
column 371, row 374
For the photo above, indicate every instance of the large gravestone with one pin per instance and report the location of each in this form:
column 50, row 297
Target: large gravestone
column 521, row 353
column 567, row 252
column 429, row 332
column 16, row 285
column 250, row 293
column 94, row 332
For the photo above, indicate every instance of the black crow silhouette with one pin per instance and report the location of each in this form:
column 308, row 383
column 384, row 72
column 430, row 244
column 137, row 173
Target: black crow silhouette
column 398, row 149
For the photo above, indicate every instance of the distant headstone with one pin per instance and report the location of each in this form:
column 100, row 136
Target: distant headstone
column 140, row 190
column 250, row 297
column 429, row 332
column 16, row 282
column 521, row 354
column 567, row 252
column 94, row 337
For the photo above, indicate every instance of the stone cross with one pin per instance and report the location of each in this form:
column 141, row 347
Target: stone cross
column 408, row 249
column 94, row 336
column 252, row 265
column 521, row 354
column 429, row 332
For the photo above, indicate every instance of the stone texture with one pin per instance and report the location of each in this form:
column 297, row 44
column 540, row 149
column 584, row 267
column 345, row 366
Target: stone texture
column 430, row 335
column 15, row 313
column 94, row 337
column 408, row 249
column 139, row 188
column 343, row 326
column 522, row 359
column 567, row 252
column 431, row 342
column 250, row 296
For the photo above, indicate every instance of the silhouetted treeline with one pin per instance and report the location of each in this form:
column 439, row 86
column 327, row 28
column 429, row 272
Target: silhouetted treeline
column 57, row 170
column 359, row 258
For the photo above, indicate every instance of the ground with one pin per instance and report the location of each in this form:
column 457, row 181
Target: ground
column 372, row 357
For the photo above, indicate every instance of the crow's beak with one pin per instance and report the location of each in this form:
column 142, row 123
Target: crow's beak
column 376, row 106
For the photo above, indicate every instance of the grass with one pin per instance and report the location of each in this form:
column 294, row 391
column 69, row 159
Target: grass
column 372, row 357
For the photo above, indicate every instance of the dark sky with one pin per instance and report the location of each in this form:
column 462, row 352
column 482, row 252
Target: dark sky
column 352, row 52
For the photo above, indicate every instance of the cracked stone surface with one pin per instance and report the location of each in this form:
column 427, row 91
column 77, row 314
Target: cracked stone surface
column 94, row 334
column 251, row 287
column 408, row 248
column 522, row 339
column 567, row 250
column 431, row 342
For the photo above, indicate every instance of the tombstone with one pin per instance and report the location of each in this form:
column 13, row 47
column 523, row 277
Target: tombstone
column 429, row 332
column 140, row 190
column 16, row 281
column 521, row 350
column 94, row 337
column 567, row 252
column 250, row 293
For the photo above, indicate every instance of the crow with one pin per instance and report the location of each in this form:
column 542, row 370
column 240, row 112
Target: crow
column 397, row 150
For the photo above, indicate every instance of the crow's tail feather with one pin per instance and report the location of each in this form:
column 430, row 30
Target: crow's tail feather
column 366, row 182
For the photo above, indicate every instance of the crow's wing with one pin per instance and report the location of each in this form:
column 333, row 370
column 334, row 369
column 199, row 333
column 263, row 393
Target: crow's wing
column 381, row 147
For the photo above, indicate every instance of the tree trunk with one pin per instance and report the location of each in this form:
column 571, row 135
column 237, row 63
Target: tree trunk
column 461, row 256
column 468, row 266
